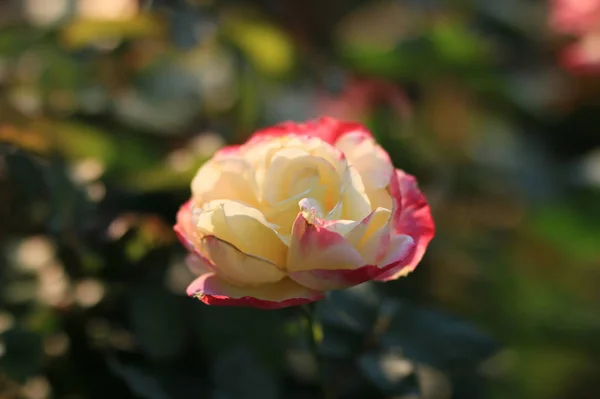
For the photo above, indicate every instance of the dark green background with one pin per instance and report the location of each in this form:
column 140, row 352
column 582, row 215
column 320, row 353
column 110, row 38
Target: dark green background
column 103, row 124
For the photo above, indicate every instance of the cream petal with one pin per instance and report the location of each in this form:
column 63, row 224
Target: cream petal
column 243, row 226
column 341, row 227
column 380, row 198
column 211, row 289
column 370, row 160
column 225, row 178
column 356, row 204
column 197, row 265
column 371, row 236
column 316, row 147
column 237, row 266
column 311, row 210
column 294, row 171
column 261, row 152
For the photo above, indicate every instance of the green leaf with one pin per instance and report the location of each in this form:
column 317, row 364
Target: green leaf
column 140, row 381
column 354, row 309
column 24, row 354
column 569, row 230
column 83, row 32
column 434, row 338
column 390, row 372
column 238, row 373
column 455, row 44
column 70, row 205
column 26, row 173
column 340, row 343
column 268, row 48
column 157, row 320
column 220, row 328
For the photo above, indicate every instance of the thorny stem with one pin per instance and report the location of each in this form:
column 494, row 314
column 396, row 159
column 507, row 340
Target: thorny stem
column 315, row 334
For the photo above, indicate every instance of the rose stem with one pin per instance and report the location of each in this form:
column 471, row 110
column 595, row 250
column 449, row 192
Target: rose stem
column 314, row 332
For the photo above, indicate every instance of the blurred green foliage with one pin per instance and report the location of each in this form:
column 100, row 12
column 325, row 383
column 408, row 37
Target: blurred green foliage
column 107, row 109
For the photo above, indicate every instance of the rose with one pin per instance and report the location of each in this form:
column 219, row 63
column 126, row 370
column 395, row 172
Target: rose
column 574, row 16
column 583, row 56
column 359, row 96
column 580, row 19
column 297, row 210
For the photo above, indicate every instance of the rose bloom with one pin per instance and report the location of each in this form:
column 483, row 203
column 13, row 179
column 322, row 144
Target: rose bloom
column 583, row 56
column 580, row 19
column 360, row 96
column 574, row 16
column 297, row 210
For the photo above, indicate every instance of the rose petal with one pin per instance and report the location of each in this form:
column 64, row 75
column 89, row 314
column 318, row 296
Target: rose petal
column 294, row 171
column 574, row 16
column 213, row 290
column 326, row 128
column 325, row 280
column 189, row 236
column 315, row 247
column 185, row 229
column 397, row 250
column 412, row 216
column 225, row 177
column 243, row 226
column 237, row 266
column 582, row 57
column 221, row 256
column 370, row 160
column 356, row 204
column 380, row 198
column 371, row 237
column 281, row 129
column 331, row 130
column 198, row 265
column 267, row 155
column 228, row 151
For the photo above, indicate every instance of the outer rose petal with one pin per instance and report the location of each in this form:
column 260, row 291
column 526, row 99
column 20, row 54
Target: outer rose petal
column 231, row 263
column 315, row 247
column 326, row 128
column 334, row 129
column 225, row 177
column 370, row 160
column 574, row 16
column 227, row 151
column 326, row 280
column 412, row 216
column 242, row 226
column 237, row 266
column 324, row 260
column 582, row 57
column 185, row 230
column 213, row 290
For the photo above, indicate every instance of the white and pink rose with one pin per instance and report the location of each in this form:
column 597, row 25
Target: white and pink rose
column 297, row 210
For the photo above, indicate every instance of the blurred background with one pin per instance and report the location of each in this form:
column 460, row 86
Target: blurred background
column 108, row 107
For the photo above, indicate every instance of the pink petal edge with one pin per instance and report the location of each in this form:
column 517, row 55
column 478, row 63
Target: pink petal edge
column 205, row 287
column 183, row 229
column 248, row 301
column 325, row 280
column 412, row 216
column 326, row 128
